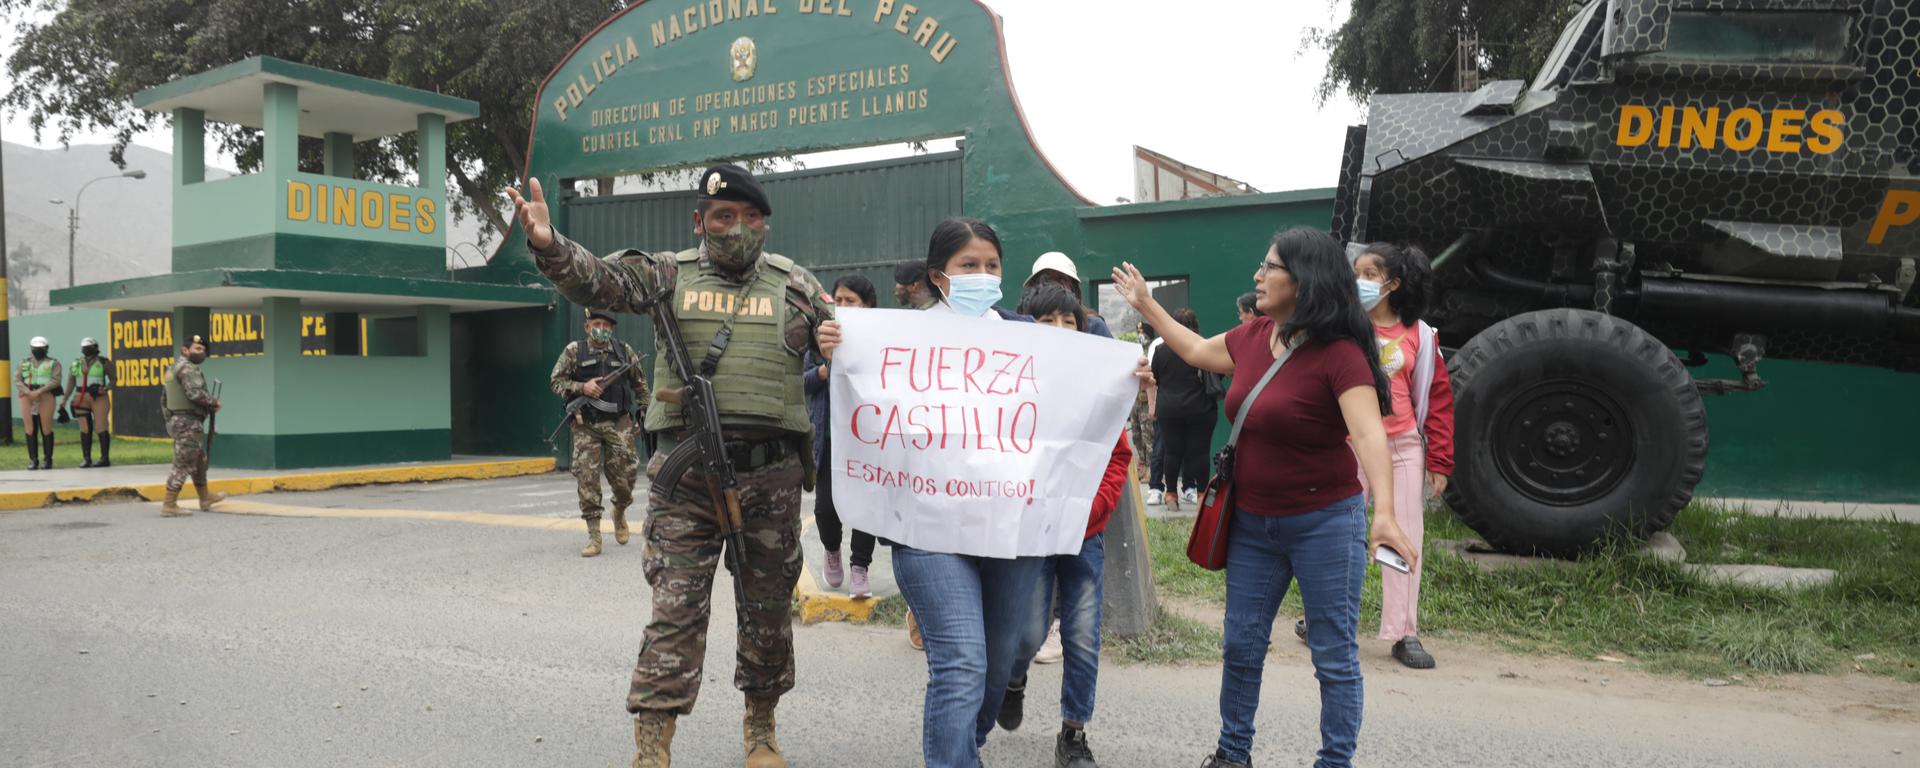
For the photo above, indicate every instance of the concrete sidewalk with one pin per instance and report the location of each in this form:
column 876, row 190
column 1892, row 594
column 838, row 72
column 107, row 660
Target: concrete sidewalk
column 29, row 489
column 819, row 602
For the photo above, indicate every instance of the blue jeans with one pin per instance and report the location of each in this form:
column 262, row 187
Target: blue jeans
column 972, row 612
column 1081, row 578
column 1326, row 550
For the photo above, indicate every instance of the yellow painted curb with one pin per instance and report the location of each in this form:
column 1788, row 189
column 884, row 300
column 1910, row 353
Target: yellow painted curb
column 817, row 606
column 265, row 509
column 309, row 481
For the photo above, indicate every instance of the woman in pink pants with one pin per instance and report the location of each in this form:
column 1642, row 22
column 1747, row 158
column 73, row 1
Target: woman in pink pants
column 1393, row 283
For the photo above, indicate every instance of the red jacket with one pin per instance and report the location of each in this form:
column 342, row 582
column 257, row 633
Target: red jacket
column 1439, row 426
column 1111, row 486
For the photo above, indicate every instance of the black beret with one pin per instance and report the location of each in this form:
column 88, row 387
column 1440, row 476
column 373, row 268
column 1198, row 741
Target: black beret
column 731, row 182
column 909, row 272
column 595, row 314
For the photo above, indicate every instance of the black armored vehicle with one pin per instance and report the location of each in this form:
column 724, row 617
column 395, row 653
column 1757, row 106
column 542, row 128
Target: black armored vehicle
column 1682, row 178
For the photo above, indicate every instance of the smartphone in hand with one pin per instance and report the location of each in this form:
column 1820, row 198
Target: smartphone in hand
column 1388, row 558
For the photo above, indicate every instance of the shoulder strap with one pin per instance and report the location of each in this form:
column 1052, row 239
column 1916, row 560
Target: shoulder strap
column 718, row 346
column 1240, row 419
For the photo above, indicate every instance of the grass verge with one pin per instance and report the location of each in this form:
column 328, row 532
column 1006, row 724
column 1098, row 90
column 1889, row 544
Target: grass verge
column 1173, row 639
column 66, row 449
column 1660, row 615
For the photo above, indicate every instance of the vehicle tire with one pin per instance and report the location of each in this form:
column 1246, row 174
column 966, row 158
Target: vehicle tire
column 1572, row 427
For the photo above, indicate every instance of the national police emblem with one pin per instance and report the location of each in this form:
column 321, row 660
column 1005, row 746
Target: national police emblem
column 742, row 56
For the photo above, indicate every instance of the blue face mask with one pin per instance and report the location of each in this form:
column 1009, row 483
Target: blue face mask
column 1369, row 294
column 972, row 295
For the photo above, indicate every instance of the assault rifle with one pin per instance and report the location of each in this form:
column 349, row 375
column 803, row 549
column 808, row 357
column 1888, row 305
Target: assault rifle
column 703, row 445
column 580, row 402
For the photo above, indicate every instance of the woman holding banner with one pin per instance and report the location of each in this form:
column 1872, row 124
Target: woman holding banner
column 1298, row 512
column 853, row 290
column 972, row 611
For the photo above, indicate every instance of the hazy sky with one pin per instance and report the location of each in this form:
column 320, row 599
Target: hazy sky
column 1226, row 88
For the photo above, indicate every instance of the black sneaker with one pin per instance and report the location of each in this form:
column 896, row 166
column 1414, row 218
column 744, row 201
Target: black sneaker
column 1409, row 652
column 1011, row 707
column 1300, row 629
column 1070, row 750
column 1217, row 760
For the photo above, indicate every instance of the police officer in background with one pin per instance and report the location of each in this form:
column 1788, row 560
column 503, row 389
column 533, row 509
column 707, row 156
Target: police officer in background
column 188, row 405
column 775, row 309
column 602, row 436
column 88, row 381
column 38, row 383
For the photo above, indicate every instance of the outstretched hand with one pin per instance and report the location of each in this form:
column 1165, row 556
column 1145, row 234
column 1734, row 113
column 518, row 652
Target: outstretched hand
column 1131, row 286
column 531, row 212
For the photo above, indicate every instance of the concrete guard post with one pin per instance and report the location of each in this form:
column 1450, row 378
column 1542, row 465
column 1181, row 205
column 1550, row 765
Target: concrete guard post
column 1130, row 604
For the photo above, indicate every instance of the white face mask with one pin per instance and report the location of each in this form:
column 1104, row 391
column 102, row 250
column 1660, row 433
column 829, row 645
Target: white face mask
column 1370, row 294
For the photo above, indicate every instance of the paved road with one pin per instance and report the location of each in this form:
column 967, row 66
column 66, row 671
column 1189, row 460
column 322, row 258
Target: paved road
column 228, row 640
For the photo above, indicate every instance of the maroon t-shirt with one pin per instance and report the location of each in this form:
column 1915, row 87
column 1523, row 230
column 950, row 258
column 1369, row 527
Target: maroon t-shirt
column 1293, row 455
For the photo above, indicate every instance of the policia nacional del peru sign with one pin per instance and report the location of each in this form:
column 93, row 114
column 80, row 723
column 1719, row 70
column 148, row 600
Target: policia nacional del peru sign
column 674, row 83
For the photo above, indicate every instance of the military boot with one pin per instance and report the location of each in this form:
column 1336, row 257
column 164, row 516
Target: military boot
column 763, row 750
column 620, row 526
column 170, row 507
column 207, row 498
column 653, row 739
column 593, row 539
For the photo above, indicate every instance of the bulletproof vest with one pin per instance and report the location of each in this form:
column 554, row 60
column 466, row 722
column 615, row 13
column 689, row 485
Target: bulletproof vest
column 757, row 381
column 177, row 393
column 85, row 373
column 590, row 364
column 38, row 373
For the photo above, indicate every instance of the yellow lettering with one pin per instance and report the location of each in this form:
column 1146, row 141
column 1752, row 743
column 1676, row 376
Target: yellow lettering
column 423, row 221
column 1636, row 125
column 1780, row 131
column 767, row 5
column 806, row 6
column 659, row 30
column 1902, row 207
column 881, row 9
column 399, row 212
column 1743, row 140
column 1666, row 126
column 907, row 10
column 706, row 301
column 346, row 206
column 299, row 201
column 373, row 210
column 944, row 47
column 687, row 300
column 1826, row 131
column 924, row 35
column 1698, row 130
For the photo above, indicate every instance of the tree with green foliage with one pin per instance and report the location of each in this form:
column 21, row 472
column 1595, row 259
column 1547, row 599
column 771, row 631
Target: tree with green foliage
column 1410, row 46
column 79, row 63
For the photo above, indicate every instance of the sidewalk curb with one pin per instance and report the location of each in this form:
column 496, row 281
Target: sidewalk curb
column 14, row 501
column 817, row 605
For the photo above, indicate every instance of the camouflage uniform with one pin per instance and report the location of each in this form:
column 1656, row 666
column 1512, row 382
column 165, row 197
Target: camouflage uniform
column 187, row 427
column 683, row 545
column 603, row 445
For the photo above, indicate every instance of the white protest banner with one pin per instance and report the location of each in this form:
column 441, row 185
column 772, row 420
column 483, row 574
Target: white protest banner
column 973, row 436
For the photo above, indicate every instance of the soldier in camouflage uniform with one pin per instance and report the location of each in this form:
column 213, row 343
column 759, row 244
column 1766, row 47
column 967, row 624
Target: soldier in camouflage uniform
column 775, row 309
column 188, row 404
column 602, row 438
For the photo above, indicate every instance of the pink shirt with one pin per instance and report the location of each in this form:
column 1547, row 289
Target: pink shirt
column 1399, row 349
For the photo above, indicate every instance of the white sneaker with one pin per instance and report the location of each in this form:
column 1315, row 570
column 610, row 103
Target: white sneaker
column 1153, row 498
column 1190, row 496
column 1050, row 651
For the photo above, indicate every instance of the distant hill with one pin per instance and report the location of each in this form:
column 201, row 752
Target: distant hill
column 126, row 225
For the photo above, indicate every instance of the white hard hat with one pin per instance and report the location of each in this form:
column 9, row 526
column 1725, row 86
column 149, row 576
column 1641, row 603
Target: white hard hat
column 89, row 342
column 38, row 341
column 1056, row 261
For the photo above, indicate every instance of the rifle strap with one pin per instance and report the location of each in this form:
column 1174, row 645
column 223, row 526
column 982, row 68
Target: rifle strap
column 720, row 340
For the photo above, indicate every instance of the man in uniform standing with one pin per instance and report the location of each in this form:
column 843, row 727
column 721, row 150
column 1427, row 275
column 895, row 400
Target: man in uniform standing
column 88, row 380
column 188, row 405
column 602, row 436
column 38, row 383
column 762, row 312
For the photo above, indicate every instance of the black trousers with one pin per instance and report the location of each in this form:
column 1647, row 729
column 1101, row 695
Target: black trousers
column 827, row 519
column 1188, row 443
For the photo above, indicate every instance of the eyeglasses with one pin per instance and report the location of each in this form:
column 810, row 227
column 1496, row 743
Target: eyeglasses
column 1268, row 267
